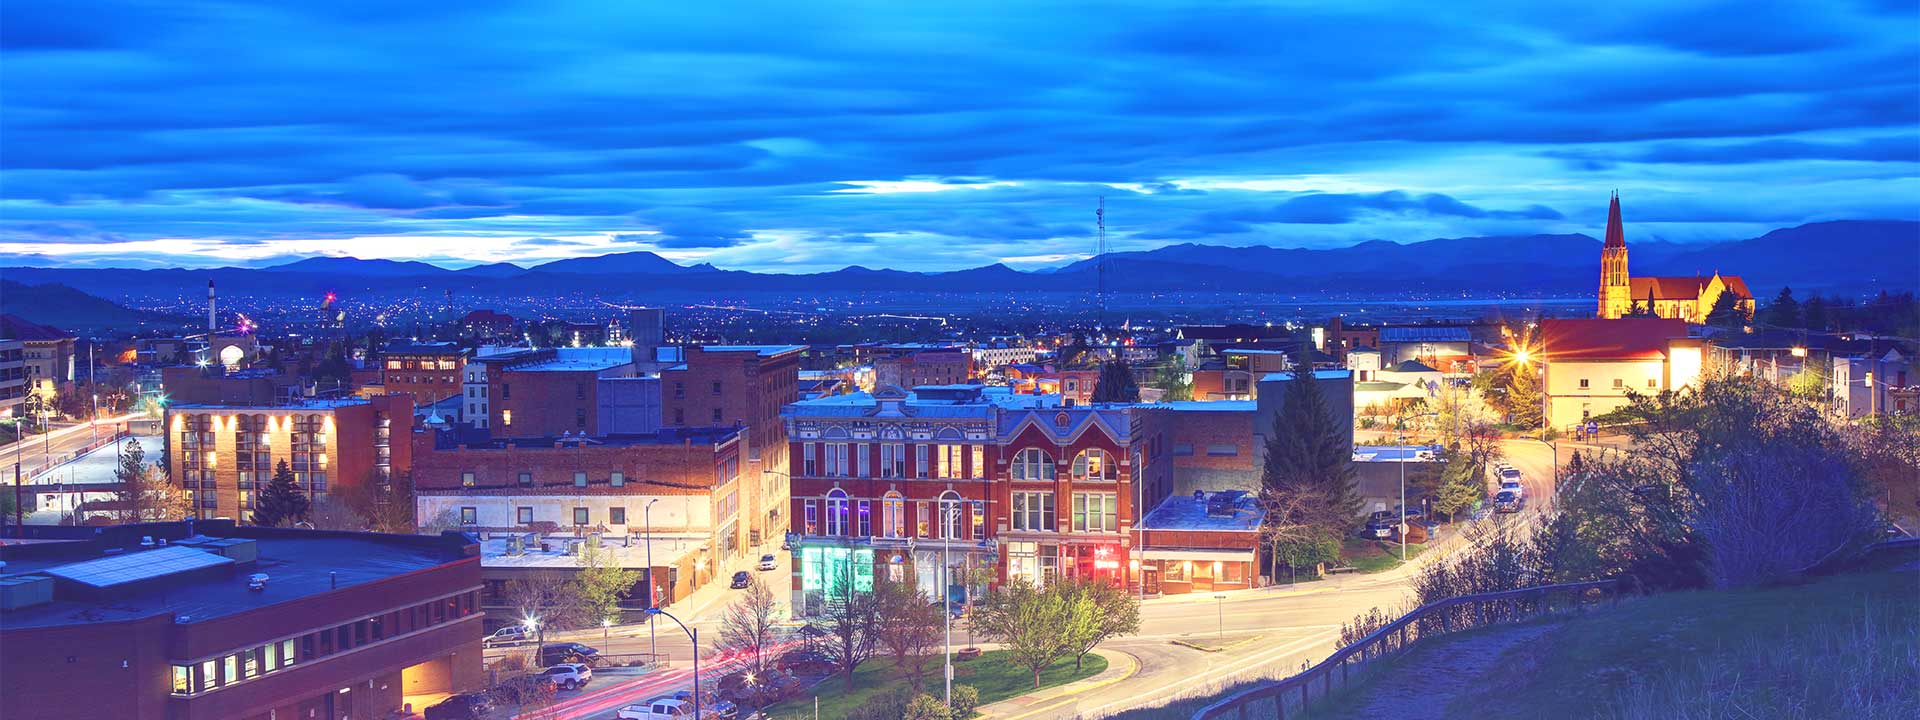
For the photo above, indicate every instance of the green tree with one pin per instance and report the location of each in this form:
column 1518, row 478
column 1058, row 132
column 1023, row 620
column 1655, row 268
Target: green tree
column 602, row 582
column 909, row 627
column 1727, row 313
column 1524, row 396
column 281, row 501
column 1101, row 610
column 1310, row 457
column 1462, row 483
column 1116, row 384
column 1029, row 621
column 1174, row 380
column 7, row 505
column 1784, row 311
column 1813, row 314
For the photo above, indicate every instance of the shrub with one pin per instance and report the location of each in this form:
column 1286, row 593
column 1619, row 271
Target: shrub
column 965, row 699
column 884, row 706
column 926, row 707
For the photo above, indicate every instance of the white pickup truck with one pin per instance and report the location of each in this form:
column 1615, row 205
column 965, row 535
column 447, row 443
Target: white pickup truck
column 658, row 709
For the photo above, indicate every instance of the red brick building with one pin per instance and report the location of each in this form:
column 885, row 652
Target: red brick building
column 924, row 367
column 545, row 394
column 741, row 385
column 430, row 372
column 224, row 454
column 902, row 484
column 117, row 624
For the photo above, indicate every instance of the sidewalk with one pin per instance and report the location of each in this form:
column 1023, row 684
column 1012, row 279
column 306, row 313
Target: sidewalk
column 1120, row 666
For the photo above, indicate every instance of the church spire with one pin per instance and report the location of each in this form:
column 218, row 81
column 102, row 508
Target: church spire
column 1616, row 234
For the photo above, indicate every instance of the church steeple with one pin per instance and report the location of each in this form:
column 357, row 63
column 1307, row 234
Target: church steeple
column 1615, row 284
column 1616, row 234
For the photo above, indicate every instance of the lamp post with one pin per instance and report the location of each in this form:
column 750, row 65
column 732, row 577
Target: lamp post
column 1220, row 617
column 952, row 512
column 653, row 586
column 606, row 633
column 693, row 634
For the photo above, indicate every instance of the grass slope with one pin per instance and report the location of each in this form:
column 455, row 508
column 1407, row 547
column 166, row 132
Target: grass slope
column 1842, row 646
column 992, row 674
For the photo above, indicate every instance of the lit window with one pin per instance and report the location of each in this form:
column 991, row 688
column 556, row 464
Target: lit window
column 182, row 680
column 466, row 479
column 506, row 417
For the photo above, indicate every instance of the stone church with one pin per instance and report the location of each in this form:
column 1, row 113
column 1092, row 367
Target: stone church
column 1675, row 298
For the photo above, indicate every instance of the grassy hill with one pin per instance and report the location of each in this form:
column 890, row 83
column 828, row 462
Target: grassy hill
column 75, row 311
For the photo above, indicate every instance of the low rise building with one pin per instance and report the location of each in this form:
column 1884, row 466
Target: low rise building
column 1202, row 542
column 13, row 378
column 430, row 372
column 1589, row 366
column 203, row 619
column 47, row 354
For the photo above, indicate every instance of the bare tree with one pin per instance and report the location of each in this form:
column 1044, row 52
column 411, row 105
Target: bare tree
column 329, row 512
column 750, row 628
column 846, row 631
column 909, row 627
column 545, row 604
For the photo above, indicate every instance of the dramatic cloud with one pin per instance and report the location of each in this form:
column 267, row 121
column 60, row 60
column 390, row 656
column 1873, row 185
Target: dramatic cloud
column 803, row 137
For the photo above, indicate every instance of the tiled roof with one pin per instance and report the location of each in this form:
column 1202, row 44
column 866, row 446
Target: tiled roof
column 14, row 327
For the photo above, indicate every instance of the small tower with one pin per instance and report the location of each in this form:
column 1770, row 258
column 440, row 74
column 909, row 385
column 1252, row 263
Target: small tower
column 1616, row 293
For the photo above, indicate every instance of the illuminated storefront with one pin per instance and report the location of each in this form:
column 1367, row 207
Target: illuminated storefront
column 829, row 571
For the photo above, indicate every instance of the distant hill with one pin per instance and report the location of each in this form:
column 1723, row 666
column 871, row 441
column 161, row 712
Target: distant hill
column 1853, row 256
column 74, row 311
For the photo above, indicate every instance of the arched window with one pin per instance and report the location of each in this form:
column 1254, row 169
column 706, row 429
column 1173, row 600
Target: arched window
column 836, row 512
column 893, row 515
column 1094, row 466
column 952, row 515
column 1032, row 464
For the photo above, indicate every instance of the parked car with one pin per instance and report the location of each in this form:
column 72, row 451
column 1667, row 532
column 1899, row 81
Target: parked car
column 954, row 609
column 740, row 580
column 661, row 708
column 465, row 706
column 557, row 653
column 509, row 635
column 724, row 709
column 804, row 661
column 1513, row 486
column 1506, row 502
column 569, row 676
column 1379, row 525
column 768, row 562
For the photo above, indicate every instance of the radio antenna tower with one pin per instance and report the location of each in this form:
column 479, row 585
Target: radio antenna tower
column 1100, row 262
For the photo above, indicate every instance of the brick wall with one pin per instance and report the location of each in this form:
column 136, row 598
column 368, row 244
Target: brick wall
column 1201, row 439
column 543, row 403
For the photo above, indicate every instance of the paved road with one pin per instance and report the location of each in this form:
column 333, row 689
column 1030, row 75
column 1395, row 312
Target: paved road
column 1278, row 630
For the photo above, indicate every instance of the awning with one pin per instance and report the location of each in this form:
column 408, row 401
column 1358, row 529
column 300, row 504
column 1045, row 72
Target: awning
column 1223, row 555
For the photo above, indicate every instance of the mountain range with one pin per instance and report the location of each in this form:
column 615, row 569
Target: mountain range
column 1838, row 256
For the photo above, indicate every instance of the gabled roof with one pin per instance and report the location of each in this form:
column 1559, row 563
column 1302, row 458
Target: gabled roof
column 1622, row 339
column 1682, row 288
column 1412, row 366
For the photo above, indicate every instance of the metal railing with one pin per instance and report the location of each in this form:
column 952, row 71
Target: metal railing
column 1393, row 639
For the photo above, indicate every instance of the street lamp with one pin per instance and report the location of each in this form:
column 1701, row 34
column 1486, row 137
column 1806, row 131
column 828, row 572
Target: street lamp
column 693, row 634
column 606, row 632
column 653, row 585
column 1220, row 617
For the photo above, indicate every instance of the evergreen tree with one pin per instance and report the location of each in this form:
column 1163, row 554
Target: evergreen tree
column 1523, row 396
column 1310, row 457
column 1813, row 314
column 1116, row 384
column 1727, row 312
column 1784, row 311
column 1643, row 310
column 281, row 502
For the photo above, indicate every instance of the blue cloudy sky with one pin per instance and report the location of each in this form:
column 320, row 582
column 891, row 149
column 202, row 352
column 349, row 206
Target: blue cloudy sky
column 801, row 136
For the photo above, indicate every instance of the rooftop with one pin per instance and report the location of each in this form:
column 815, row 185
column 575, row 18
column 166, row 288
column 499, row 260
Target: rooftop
column 664, row 436
column 1595, row 339
column 1396, row 453
column 1185, row 512
column 580, row 359
column 1212, row 405
column 190, row 580
column 298, row 404
column 551, row 552
column 1317, row 375
column 14, row 327
column 403, row 347
column 761, row 350
column 1425, row 334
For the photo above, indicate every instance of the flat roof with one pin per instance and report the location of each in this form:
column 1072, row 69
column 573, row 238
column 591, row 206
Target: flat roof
column 1213, row 405
column 761, row 350
column 629, row 550
column 448, row 440
column 301, row 404
column 298, row 564
column 1317, row 375
column 1395, row 453
column 1183, row 512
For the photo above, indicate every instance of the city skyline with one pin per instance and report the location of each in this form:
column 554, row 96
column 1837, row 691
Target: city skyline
column 209, row 135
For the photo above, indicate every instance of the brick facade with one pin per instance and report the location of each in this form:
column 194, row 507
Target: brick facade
column 224, row 455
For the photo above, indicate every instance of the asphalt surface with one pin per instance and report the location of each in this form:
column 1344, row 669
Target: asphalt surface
column 1268, row 632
